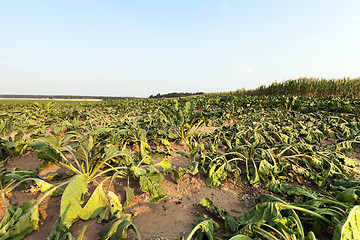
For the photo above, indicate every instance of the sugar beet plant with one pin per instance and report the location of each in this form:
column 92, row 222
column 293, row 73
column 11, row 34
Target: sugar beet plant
column 184, row 119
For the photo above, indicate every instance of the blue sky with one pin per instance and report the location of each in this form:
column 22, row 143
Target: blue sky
column 144, row 47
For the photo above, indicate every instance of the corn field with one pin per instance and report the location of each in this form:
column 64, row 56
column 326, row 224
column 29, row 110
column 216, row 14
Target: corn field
column 310, row 86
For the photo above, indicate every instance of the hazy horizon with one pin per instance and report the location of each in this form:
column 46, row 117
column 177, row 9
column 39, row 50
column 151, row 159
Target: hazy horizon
column 141, row 48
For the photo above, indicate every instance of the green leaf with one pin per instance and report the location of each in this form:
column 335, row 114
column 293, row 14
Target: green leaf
column 73, row 196
column 118, row 229
column 159, row 153
column 112, row 208
column 264, row 169
column 253, row 175
column 24, row 224
column 46, row 152
column 346, row 160
column 164, row 141
column 268, row 198
column 83, row 151
column 112, row 152
column 230, row 222
column 101, row 130
column 291, row 190
column 45, row 186
column 129, row 196
column 345, row 146
column 194, row 168
column 206, row 202
column 10, row 210
column 165, row 165
column 241, row 237
column 11, row 220
column 266, row 211
column 311, row 236
column 350, row 195
column 58, row 176
column 349, row 228
column 96, row 204
column 151, row 182
column 176, row 175
column 137, row 171
column 207, row 227
column 343, row 184
column 19, row 175
column 287, row 224
column 216, row 175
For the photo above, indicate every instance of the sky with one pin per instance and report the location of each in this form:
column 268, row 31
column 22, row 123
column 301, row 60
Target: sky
column 140, row 48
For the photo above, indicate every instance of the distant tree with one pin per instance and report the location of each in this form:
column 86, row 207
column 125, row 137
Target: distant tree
column 175, row 95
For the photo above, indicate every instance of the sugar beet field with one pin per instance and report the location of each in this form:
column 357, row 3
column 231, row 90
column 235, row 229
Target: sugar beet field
column 218, row 166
